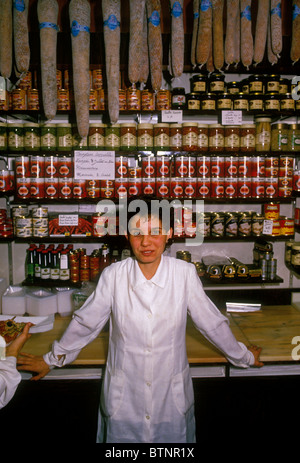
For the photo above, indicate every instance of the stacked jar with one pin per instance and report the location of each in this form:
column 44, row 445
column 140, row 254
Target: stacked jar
column 119, row 187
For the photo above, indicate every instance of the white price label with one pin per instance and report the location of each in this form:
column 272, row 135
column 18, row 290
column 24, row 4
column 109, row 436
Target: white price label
column 232, row 118
column 268, row 227
column 171, row 115
column 68, row 220
column 94, row 165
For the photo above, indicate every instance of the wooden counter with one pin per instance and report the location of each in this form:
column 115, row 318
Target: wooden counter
column 272, row 328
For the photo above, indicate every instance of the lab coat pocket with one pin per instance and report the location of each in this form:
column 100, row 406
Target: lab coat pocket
column 113, row 389
column 183, row 392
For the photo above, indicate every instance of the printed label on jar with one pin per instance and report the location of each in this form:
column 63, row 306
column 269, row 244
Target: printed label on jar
column 216, row 141
column 203, row 187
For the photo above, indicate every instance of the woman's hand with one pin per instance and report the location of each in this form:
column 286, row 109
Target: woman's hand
column 33, row 363
column 13, row 349
column 256, row 353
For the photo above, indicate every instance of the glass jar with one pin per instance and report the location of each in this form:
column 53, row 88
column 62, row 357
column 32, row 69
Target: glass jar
column 233, row 87
column 96, row 136
column 216, row 83
column 273, row 83
column 294, row 137
column 256, row 102
column 202, row 137
column 232, row 138
column 256, row 83
column 133, row 98
column 128, row 137
column 216, row 137
column 32, row 140
column 190, row 136
column 247, row 138
column 224, row 101
column 112, row 136
column 15, row 136
column 244, row 88
column 145, row 136
column 193, row 101
column 284, row 86
column 178, row 98
column 279, row 137
column 64, row 137
column 199, row 83
column 263, row 134
column 287, row 103
column 240, row 101
column 175, row 137
column 161, row 136
column 295, row 257
column 48, row 136
column 163, row 100
column 208, row 102
column 272, row 102
column 3, row 136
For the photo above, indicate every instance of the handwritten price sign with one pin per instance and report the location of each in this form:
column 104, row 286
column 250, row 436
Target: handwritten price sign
column 94, row 165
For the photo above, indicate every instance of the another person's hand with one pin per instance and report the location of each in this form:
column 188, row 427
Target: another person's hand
column 33, row 363
column 256, row 353
column 13, row 349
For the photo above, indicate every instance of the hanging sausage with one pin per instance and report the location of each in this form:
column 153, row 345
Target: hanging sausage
column 80, row 18
column 21, row 36
column 154, row 43
column 246, row 33
column 176, row 61
column 111, row 10
column 232, row 38
column 204, row 40
column 47, row 15
column 276, row 27
column 137, row 11
column 195, row 31
column 6, row 39
column 261, row 31
column 218, row 33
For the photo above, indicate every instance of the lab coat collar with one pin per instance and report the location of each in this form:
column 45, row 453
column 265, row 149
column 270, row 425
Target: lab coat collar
column 159, row 279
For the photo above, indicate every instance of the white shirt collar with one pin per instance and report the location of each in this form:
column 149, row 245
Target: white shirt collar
column 158, row 279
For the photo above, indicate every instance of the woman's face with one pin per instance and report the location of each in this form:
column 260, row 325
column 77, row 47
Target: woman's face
column 148, row 239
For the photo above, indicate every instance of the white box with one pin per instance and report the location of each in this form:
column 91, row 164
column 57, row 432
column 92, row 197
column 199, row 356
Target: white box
column 41, row 302
column 14, row 301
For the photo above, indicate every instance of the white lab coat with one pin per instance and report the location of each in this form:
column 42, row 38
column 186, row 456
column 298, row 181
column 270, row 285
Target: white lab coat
column 147, row 393
column 9, row 379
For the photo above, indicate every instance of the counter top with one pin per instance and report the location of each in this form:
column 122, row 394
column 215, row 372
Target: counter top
column 272, row 328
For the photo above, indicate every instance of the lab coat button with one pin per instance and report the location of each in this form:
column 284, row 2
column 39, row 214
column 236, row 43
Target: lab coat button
column 147, row 417
column 150, row 315
column 148, row 383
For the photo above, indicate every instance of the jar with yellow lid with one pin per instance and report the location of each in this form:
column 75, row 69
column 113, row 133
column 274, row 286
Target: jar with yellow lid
column 263, row 134
column 287, row 103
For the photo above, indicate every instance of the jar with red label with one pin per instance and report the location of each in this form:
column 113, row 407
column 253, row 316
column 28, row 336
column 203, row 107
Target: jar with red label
column 190, row 135
column 121, row 166
column 216, row 137
column 37, row 166
column 175, row 137
column 128, row 137
column 23, row 187
column 257, row 187
column 217, row 187
column 231, row 165
column 4, row 181
column 190, row 187
column 202, row 137
column 65, row 188
column 161, row 136
column 230, row 187
column 65, row 166
column 79, row 189
column 203, row 187
column 22, row 166
column 163, row 187
column 133, row 98
column 148, row 166
column 148, row 185
column 244, row 187
column 51, row 187
column 145, row 136
column 258, row 166
column 203, row 166
column 147, row 100
column 51, row 166
column 244, row 166
column 163, row 164
column 107, row 188
column 271, row 187
column 232, row 138
column 247, row 137
column 92, row 188
column 296, row 180
column 177, row 187
column 121, row 188
column 134, row 186
column 163, row 100
column 217, row 166
column 37, row 188
column 181, row 166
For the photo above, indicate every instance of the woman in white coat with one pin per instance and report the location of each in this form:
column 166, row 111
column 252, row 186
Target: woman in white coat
column 9, row 375
column 147, row 393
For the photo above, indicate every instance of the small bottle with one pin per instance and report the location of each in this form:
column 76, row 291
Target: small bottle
column 115, row 256
column 64, row 268
column 30, row 264
column 54, row 269
column 45, row 268
column 105, row 258
column 38, row 264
